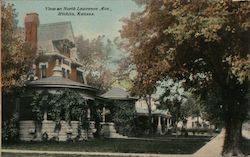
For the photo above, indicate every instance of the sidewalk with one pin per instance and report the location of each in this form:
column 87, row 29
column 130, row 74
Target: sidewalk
column 212, row 148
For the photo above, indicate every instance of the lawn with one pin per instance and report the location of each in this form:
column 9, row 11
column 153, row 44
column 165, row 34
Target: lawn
column 246, row 146
column 171, row 146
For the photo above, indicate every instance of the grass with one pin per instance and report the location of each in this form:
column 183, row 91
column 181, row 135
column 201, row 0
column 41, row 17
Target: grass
column 172, row 146
column 246, row 146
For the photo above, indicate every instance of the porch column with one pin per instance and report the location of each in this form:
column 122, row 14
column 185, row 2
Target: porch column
column 168, row 123
column 17, row 108
column 88, row 115
column 103, row 114
column 159, row 127
column 164, row 125
column 152, row 119
column 45, row 115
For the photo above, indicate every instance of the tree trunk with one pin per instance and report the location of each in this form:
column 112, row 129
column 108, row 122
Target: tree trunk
column 233, row 138
column 235, row 113
column 149, row 105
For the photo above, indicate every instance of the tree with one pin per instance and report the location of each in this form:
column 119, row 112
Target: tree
column 16, row 54
column 173, row 97
column 16, row 59
column 95, row 55
column 202, row 42
column 195, row 107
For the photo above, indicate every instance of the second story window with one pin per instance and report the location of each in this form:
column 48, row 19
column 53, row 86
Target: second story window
column 65, row 73
column 43, row 71
column 79, row 76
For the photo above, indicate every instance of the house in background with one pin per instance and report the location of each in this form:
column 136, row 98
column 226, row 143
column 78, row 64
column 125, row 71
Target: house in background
column 161, row 119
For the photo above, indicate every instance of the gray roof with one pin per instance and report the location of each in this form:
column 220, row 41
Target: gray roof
column 117, row 94
column 54, row 31
column 59, row 82
column 142, row 111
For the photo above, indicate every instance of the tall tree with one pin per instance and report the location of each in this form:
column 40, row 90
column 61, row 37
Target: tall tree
column 203, row 42
column 173, row 97
column 16, row 59
column 16, row 55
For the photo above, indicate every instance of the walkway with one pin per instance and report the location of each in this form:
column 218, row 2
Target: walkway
column 212, row 148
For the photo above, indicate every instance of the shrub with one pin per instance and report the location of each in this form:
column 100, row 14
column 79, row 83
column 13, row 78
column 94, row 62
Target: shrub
column 10, row 130
column 124, row 117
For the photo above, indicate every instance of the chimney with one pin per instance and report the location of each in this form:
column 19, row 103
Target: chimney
column 31, row 23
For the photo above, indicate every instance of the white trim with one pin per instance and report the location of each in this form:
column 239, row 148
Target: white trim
column 81, row 70
column 65, row 66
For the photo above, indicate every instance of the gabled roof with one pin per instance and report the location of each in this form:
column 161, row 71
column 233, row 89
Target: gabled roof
column 54, row 31
column 117, row 94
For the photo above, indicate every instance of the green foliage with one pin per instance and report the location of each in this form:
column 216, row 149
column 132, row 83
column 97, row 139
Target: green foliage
column 200, row 41
column 95, row 55
column 194, row 106
column 10, row 130
column 16, row 55
column 123, row 115
column 40, row 104
column 64, row 104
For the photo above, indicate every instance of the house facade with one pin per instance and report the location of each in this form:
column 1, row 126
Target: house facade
column 56, row 67
column 53, row 41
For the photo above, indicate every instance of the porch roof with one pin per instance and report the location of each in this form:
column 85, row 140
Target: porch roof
column 118, row 94
column 59, row 82
column 144, row 112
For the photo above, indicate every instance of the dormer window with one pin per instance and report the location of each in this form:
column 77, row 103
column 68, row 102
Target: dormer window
column 63, row 46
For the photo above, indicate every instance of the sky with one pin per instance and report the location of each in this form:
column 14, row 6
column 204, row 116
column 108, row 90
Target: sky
column 104, row 22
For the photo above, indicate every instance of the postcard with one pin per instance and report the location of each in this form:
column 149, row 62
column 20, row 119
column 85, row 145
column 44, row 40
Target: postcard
column 125, row 78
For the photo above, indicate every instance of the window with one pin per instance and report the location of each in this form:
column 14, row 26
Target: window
column 66, row 62
column 65, row 73
column 79, row 76
column 43, row 71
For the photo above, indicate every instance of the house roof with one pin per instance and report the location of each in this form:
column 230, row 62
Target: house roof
column 117, row 94
column 59, row 82
column 54, row 31
column 157, row 112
